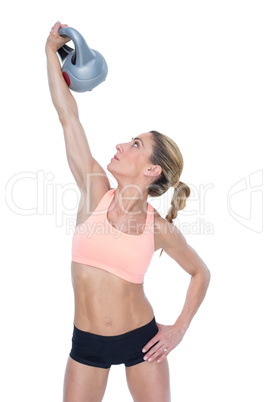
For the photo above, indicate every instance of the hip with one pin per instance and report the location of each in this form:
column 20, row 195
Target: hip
column 104, row 351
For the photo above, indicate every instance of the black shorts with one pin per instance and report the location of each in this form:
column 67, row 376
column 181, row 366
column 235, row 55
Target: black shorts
column 103, row 351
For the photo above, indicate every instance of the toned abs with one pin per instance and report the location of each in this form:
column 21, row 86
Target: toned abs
column 106, row 304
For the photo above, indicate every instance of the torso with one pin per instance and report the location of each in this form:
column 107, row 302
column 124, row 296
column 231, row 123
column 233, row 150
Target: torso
column 106, row 304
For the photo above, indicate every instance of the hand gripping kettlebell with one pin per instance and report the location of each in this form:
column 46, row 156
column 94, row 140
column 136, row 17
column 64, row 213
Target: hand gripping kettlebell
column 82, row 68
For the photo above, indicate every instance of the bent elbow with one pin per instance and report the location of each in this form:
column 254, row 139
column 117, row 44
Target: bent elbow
column 208, row 275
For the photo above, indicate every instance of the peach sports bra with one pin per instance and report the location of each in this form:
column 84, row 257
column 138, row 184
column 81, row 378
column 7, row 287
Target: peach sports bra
column 97, row 243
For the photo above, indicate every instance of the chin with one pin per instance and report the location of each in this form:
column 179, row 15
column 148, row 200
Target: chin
column 114, row 170
column 111, row 169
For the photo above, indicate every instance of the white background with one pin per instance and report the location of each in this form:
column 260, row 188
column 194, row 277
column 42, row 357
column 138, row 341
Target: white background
column 196, row 71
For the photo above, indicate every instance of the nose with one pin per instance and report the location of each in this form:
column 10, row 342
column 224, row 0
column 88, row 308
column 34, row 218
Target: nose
column 119, row 148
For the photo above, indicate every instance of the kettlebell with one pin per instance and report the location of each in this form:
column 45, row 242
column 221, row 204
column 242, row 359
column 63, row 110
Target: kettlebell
column 82, row 68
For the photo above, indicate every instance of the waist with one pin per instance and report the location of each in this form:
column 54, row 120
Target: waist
column 106, row 304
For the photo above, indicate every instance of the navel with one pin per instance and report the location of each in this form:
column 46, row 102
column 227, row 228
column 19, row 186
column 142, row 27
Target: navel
column 108, row 322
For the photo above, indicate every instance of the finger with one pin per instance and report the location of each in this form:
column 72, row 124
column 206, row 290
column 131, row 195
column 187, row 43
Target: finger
column 164, row 355
column 55, row 27
column 161, row 353
column 154, row 352
column 150, row 344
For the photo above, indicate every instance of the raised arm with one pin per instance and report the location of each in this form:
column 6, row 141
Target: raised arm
column 80, row 159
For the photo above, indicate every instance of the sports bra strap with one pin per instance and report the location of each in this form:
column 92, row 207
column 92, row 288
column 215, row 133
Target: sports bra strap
column 150, row 215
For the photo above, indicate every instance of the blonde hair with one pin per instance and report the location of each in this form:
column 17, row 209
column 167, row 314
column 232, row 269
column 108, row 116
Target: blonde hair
column 166, row 154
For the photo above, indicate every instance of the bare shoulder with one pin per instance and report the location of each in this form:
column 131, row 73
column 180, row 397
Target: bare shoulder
column 167, row 235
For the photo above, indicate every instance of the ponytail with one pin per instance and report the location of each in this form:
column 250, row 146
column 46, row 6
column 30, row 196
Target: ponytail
column 167, row 154
column 178, row 202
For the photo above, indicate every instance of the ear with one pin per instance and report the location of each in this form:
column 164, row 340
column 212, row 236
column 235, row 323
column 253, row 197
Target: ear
column 153, row 171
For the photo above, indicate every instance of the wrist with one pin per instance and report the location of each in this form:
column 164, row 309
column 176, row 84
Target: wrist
column 50, row 49
column 181, row 325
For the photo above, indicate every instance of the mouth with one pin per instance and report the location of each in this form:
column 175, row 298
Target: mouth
column 115, row 157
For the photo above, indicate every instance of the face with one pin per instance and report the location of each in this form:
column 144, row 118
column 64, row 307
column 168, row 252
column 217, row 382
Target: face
column 132, row 159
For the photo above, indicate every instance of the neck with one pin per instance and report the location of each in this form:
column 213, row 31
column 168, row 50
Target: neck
column 130, row 199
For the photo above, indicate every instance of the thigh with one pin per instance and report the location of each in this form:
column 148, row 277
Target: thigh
column 149, row 382
column 84, row 383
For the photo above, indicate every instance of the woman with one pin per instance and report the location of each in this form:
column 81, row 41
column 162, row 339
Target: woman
column 116, row 235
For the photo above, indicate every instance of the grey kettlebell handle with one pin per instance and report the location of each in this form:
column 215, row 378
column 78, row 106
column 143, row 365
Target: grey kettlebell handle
column 82, row 68
column 83, row 54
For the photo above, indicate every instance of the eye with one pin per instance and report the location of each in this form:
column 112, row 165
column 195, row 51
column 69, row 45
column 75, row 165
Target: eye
column 136, row 144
